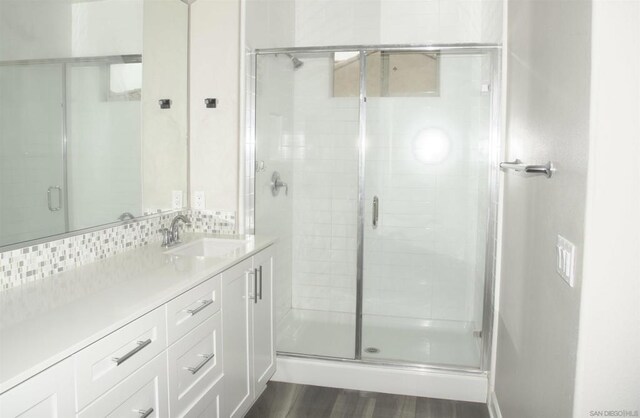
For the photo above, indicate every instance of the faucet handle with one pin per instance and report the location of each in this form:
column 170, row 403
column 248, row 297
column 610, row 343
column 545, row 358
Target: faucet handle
column 175, row 231
column 166, row 237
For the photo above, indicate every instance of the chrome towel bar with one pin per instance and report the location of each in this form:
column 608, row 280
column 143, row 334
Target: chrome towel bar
column 528, row 170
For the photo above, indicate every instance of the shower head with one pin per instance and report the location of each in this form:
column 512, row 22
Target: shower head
column 295, row 61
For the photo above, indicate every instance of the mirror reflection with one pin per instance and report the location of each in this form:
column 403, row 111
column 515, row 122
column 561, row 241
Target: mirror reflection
column 83, row 139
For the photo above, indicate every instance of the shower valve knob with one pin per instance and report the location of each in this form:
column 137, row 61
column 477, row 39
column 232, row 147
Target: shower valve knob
column 277, row 184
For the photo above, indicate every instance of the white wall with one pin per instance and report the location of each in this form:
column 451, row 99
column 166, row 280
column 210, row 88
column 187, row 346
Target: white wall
column 269, row 23
column 608, row 369
column 65, row 28
column 331, row 22
column 164, row 131
column 215, row 72
column 547, row 119
column 106, row 27
column 39, row 29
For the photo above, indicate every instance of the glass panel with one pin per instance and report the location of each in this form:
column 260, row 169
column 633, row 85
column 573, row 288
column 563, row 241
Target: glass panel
column 32, row 203
column 310, row 138
column 427, row 164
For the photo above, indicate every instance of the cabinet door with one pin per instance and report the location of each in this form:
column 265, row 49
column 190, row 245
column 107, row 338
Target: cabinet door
column 236, row 348
column 46, row 395
column 264, row 353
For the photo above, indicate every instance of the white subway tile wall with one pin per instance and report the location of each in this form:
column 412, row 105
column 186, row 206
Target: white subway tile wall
column 273, row 214
column 41, row 261
column 324, row 150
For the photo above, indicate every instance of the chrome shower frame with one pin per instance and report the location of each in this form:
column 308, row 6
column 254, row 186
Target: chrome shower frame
column 494, row 51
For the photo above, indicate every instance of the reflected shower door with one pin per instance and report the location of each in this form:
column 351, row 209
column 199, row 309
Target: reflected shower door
column 103, row 130
column 307, row 137
column 426, row 206
column 32, row 189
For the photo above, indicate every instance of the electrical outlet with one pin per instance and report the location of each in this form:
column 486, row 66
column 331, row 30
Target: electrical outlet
column 198, row 200
column 565, row 260
column 176, row 199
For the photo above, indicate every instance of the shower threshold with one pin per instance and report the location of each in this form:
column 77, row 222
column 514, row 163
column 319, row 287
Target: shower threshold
column 423, row 381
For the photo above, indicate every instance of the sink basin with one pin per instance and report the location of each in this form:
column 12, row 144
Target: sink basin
column 209, row 247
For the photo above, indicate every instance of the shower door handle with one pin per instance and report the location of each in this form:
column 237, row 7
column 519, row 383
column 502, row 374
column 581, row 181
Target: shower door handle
column 58, row 189
column 376, row 203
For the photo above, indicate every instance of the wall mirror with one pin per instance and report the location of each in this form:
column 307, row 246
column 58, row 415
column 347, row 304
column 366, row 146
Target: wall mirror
column 84, row 141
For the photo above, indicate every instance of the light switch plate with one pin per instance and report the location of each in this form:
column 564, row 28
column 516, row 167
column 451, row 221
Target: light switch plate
column 565, row 260
column 198, row 200
column 176, row 199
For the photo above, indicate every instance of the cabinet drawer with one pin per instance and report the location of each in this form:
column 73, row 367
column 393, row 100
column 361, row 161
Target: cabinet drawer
column 108, row 361
column 190, row 309
column 143, row 394
column 46, row 395
column 209, row 405
column 195, row 365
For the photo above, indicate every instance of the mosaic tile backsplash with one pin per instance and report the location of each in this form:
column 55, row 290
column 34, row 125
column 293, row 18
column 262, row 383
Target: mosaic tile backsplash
column 40, row 261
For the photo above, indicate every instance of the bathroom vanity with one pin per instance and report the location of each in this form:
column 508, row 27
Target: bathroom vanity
column 147, row 333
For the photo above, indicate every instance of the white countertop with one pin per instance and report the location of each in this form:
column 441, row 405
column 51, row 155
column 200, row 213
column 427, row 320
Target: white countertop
column 44, row 322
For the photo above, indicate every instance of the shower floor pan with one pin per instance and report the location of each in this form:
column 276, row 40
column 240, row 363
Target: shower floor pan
column 392, row 339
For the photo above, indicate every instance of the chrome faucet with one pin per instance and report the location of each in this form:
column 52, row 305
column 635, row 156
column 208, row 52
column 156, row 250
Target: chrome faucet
column 126, row 216
column 171, row 236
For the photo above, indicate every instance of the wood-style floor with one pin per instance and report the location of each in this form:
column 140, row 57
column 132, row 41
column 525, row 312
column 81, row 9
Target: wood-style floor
column 286, row 400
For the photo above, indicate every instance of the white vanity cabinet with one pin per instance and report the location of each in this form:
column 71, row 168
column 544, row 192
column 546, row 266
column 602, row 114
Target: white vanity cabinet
column 49, row 394
column 248, row 329
column 142, row 394
column 110, row 360
column 264, row 348
column 195, row 366
column 207, row 352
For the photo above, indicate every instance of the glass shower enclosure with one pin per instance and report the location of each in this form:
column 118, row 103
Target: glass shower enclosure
column 375, row 167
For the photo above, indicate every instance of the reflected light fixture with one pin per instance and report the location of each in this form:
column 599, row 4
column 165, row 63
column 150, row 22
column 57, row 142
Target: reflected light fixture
column 431, row 146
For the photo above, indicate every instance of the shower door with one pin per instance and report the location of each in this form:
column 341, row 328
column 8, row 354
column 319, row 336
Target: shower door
column 307, row 137
column 426, row 204
column 374, row 168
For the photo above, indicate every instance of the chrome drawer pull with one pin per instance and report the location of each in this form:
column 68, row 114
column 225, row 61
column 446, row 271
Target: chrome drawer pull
column 145, row 414
column 200, row 365
column 205, row 303
column 141, row 345
column 260, row 270
column 255, row 285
